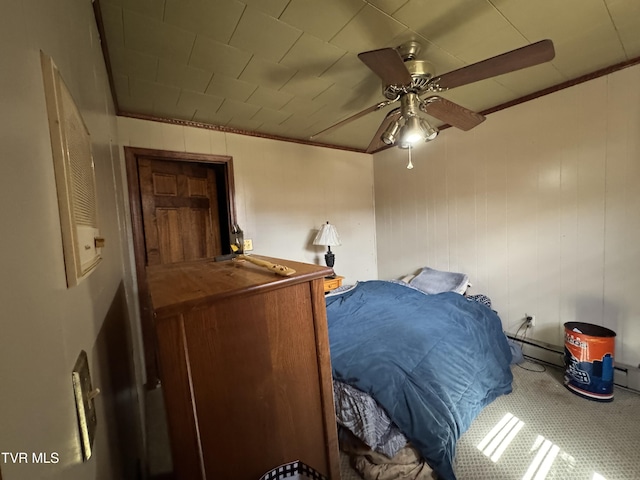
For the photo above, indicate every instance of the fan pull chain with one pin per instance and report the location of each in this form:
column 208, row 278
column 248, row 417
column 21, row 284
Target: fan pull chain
column 409, row 165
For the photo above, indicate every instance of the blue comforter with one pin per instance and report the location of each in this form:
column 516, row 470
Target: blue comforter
column 432, row 361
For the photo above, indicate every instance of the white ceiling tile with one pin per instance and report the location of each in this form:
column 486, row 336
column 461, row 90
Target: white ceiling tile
column 418, row 16
column 267, row 115
column 480, row 95
column 199, row 101
column 302, row 107
column 170, row 110
column 148, row 8
column 366, row 94
column 626, row 18
column 388, row 6
column 322, row 19
column 325, row 117
column 229, row 87
column 268, row 74
column 121, row 84
column 360, row 130
column 337, row 96
column 450, row 24
column 298, row 121
column 220, row 58
column 265, row 97
column 476, row 25
column 306, row 86
column 369, row 93
column 135, row 64
column 113, row 24
column 591, row 51
column 264, row 35
column 211, row 118
column 271, row 7
column 139, row 105
column 154, row 91
column 216, row 19
column 238, row 109
column 532, row 79
column 370, row 29
column 348, row 71
column 312, row 55
column 275, row 129
column 183, row 76
column 502, row 40
column 154, row 37
column 551, row 18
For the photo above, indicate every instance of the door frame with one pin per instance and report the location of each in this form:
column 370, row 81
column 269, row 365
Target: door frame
column 132, row 154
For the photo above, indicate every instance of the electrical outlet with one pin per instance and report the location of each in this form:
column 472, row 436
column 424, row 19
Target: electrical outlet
column 531, row 320
column 248, row 245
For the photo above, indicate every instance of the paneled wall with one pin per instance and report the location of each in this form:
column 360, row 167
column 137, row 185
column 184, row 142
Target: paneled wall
column 539, row 205
column 43, row 324
column 285, row 191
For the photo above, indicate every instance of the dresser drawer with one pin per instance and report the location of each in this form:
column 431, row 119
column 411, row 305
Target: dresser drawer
column 331, row 283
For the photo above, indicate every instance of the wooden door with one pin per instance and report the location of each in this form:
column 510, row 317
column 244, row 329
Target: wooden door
column 179, row 211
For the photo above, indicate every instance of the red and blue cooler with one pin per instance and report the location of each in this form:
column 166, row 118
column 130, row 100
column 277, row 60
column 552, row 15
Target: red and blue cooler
column 588, row 357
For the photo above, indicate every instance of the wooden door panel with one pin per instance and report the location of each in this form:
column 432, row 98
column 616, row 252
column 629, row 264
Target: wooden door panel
column 197, row 187
column 169, row 247
column 195, row 222
column 180, row 211
column 164, row 184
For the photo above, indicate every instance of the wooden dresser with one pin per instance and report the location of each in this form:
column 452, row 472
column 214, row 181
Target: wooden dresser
column 245, row 368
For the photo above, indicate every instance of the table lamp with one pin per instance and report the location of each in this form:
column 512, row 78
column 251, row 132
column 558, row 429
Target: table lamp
column 328, row 236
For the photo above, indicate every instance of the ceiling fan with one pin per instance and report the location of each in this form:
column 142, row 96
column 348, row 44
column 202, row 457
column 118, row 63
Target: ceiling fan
column 405, row 79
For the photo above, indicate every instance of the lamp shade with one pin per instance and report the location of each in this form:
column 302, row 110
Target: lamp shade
column 327, row 235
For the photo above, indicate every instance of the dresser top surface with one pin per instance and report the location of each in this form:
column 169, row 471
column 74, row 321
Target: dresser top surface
column 193, row 282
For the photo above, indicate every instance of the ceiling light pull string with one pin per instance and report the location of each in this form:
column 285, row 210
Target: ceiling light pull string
column 410, row 165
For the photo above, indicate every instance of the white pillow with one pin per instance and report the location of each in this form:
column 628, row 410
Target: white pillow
column 408, row 278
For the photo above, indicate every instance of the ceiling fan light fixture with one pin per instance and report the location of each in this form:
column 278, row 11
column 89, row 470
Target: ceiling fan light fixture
column 430, row 133
column 390, row 135
column 412, row 131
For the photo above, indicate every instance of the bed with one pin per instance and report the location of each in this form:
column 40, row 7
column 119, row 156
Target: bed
column 429, row 363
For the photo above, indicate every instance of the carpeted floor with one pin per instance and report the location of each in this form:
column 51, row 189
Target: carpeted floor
column 554, row 435
column 543, row 431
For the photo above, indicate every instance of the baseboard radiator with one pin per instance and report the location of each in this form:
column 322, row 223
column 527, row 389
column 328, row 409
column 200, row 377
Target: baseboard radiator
column 625, row 376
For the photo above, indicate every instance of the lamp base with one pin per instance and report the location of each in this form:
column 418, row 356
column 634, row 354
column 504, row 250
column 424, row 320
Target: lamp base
column 329, row 258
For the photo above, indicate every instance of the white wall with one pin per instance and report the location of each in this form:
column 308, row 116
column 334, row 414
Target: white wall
column 285, row 191
column 44, row 325
column 539, row 205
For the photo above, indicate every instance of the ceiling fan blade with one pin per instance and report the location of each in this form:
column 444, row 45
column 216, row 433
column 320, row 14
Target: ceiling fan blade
column 388, row 65
column 524, row 57
column 376, row 141
column 364, row 112
column 451, row 113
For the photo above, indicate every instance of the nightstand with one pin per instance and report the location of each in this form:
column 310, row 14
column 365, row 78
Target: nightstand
column 331, row 283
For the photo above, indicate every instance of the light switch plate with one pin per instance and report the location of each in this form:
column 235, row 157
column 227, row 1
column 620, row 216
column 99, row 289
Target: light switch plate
column 84, row 394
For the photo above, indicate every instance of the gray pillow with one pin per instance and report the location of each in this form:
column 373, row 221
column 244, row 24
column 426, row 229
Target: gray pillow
column 434, row 281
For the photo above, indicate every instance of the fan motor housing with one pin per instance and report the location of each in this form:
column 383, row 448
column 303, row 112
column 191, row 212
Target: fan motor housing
column 421, row 73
